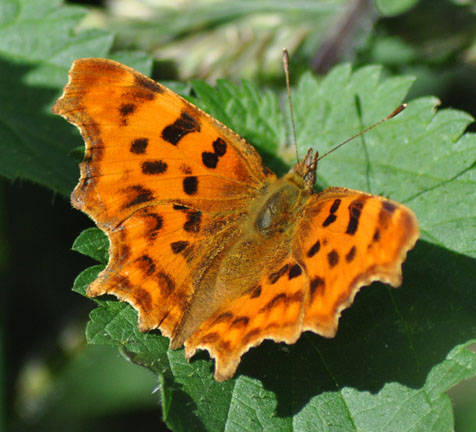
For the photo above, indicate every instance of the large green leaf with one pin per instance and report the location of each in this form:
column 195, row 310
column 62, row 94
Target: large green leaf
column 37, row 46
column 420, row 158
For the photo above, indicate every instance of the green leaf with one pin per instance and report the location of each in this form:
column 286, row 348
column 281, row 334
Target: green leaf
column 397, row 351
column 85, row 278
column 93, row 242
column 420, row 158
column 253, row 114
column 37, row 47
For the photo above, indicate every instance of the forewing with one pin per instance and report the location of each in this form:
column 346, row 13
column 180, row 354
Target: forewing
column 164, row 180
column 147, row 146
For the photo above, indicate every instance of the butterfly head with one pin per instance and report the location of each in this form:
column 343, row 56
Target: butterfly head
column 306, row 169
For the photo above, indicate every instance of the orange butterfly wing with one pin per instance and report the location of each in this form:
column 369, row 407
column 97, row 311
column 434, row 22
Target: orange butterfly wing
column 161, row 178
column 206, row 243
column 272, row 309
column 348, row 239
column 344, row 239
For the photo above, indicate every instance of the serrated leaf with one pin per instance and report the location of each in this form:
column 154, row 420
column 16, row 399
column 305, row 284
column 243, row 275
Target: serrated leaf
column 85, row 278
column 93, row 242
column 254, row 114
column 38, row 45
column 397, row 351
column 420, row 158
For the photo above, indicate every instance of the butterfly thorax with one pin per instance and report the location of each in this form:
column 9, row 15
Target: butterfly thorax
column 276, row 210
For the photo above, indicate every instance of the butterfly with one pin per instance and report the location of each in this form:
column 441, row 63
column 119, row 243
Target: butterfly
column 206, row 243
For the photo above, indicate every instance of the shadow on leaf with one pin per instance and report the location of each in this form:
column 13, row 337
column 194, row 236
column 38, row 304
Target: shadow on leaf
column 386, row 336
column 34, row 144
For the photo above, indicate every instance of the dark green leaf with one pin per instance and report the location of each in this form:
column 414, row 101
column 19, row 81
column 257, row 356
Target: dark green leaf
column 93, row 242
column 87, row 276
column 253, row 114
column 38, row 45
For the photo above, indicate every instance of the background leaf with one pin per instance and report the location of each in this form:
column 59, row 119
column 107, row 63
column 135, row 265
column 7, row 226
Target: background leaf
column 94, row 243
column 35, row 145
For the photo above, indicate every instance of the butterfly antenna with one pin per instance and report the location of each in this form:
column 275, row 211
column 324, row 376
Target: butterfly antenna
column 288, row 88
column 393, row 114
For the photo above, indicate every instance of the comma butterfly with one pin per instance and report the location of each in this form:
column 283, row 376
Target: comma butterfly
column 206, row 243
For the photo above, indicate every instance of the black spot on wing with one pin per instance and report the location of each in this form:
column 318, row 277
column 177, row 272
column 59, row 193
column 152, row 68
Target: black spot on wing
column 125, row 110
column 185, row 169
column 224, row 317
column 355, row 210
column 329, row 220
column 219, row 146
column 251, row 335
column 155, row 226
column 190, row 185
column 179, row 246
column 140, row 96
column 332, row 217
column 294, row 271
column 139, row 145
column 376, row 236
column 385, row 214
column 180, row 207
column 351, row 254
column 389, row 206
column 280, row 298
column 210, row 160
column 184, row 125
column 124, row 253
column 333, row 258
column 335, row 206
column 140, row 195
column 314, row 249
column 273, row 277
column 193, row 222
column 166, row 282
column 210, row 338
column 241, row 321
column 154, row 167
column 317, row 285
column 255, row 292
column 148, row 84
column 147, row 264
